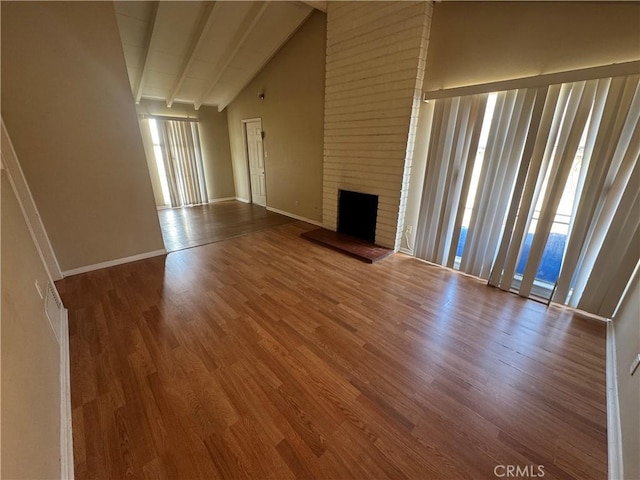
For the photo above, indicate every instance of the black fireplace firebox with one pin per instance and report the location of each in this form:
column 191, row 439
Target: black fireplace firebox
column 357, row 214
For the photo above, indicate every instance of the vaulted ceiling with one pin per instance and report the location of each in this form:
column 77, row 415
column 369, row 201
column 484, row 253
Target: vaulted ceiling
column 202, row 52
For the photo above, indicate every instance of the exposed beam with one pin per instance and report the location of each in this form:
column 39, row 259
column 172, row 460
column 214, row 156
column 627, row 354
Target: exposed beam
column 229, row 98
column 151, row 36
column 317, row 4
column 204, row 26
column 248, row 24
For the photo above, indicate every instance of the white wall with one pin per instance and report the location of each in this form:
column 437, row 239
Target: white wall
column 418, row 170
column 375, row 64
column 626, row 324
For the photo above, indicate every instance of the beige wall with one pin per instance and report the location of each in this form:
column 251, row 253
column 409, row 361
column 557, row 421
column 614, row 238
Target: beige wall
column 214, row 137
column 626, row 324
column 216, row 152
column 292, row 112
column 30, row 361
column 480, row 42
column 68, row 107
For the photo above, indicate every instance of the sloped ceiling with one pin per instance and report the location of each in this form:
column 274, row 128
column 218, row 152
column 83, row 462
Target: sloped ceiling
column 203, row 52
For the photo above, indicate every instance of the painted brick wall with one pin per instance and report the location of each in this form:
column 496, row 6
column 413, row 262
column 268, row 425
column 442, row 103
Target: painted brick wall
column 375, row 66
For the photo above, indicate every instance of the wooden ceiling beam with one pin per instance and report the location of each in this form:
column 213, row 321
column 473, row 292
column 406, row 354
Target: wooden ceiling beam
column 203, row 28
column 317, row 4
column 234, row 93
column 248, row 24
column 152, row 35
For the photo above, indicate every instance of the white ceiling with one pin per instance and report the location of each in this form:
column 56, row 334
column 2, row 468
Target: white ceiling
column 203, row 52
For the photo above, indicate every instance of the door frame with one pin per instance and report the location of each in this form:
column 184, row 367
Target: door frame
column 245, row 153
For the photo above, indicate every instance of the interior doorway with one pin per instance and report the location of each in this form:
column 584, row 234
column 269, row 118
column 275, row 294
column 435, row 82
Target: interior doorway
column 254, row 150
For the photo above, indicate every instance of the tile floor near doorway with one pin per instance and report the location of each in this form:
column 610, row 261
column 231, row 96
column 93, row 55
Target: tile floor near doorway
column 188, row 227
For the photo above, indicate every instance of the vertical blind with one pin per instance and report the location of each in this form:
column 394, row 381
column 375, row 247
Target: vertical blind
column 180, row 144
column 500, row 165
column 454, row 141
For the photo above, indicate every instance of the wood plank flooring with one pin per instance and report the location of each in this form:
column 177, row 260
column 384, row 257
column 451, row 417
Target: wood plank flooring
column 267, row 356
column 188, row 227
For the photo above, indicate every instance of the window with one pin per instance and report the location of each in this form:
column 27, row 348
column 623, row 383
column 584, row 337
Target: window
column 176, row 147
column 157, row 152
column 475, row 176
column 526, row 188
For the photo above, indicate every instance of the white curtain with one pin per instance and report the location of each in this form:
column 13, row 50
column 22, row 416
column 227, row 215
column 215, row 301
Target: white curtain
column 604, row 246
column 576, row 111
column 534, row 164
column 532, row 145
column 507, row 135
column 452, row 154
column 182, row 158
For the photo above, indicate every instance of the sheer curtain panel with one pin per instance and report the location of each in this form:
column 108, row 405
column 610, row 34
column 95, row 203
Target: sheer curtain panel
column 502, row 156
column 452, row 155
column 180, row 145
column 606, row 229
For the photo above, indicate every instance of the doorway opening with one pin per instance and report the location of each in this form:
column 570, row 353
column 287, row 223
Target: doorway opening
column 177, row 167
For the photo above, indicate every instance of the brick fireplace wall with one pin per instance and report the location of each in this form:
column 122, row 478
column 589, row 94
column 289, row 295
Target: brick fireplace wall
column 376, row 54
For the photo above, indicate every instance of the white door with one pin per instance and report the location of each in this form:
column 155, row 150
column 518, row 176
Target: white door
column 255, row 153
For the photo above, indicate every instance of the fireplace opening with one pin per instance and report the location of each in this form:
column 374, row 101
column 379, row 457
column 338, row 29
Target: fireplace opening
column 357, row 214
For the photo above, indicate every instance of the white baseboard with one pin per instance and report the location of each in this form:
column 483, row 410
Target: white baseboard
column 297, row 217
column 582, row 313
column 217, row 200
column 66, row 432
column 614, row 433
column 113, row 263
column 243, row 200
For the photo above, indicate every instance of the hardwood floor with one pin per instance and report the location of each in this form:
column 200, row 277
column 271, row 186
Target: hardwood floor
column 267, row 356
column 193, row 226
